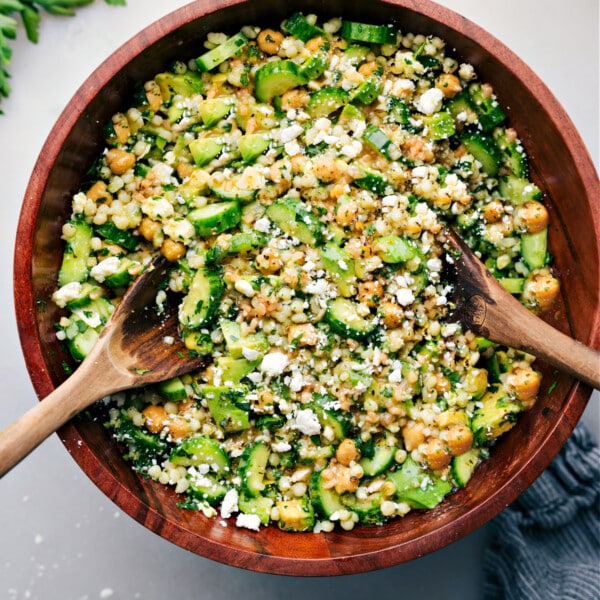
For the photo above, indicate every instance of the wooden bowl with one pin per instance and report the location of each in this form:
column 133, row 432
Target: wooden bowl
column 560, row 165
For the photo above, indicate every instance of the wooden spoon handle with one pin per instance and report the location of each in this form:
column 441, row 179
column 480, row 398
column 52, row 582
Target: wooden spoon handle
column 503, row 319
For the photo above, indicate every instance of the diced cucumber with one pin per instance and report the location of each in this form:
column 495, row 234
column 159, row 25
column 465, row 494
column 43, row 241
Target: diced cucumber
column 215, row 218
column 84, row 297
column 229, row 189
column 275, row 78
column 205, row 149
column 239, row 243
column 293, row 217
column 371, row 34
column 227, row 414
column 201, row 450
column 221, row 53
column 172, row 389
column 368, row 509
column 202, row 300
column 143, row 448
column 382, row 458
column 121, row 237
column 484, row 150
column 299, row 27
column 513, row 285
column 355, row 54
column 394, row 249
column 518, row 189
column 496, row 415
column 197, row 342
column 371, row 180
column 182, row 84
column 344, row 318
column 326, row 101
column 534, row 248
column 338, row 421
column 238, row 345
column 349, row 114
column 122, row 276
column 296, row 514
column 74, row 266
column 252, row 145
column 513, row 154
column 490, row 114
column 380, row 142
column 251, row 468
column 440, row 126
column 259, row 506
column 463, row 466
column 367, row 92
column 83, row 342
column 233, row 370
column 340, row 265
column 212, row 110
column 460, row 106
column 314, row 66
column 206, row 488
column 419, row 488
column 326, row 501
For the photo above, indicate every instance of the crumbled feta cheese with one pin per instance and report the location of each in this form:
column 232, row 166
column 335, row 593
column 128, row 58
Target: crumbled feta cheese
column 281, row 447
column 244, row 287
column 263, row 225
column 296, row 382
column 405, row 297
column 66, row 293
column 287, row 134
column 250, row 353
column 229, row 505
column 179, row 229
column 307, row 422
column 105, row 268
column 430, row 102
column 274, row 363
column 248, row 521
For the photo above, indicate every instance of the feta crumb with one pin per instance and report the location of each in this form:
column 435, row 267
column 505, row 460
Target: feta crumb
column 430, row 102
column 250, row 353
column 287, row 134
column 229, row 505
column 296, row 382
column 405, row 297
column 281, row 447
column 263, row 225
column 105, row 268
column 66, row 293
column 307, row 422
column 244, row 287
column 248, row 521
column 274, row 363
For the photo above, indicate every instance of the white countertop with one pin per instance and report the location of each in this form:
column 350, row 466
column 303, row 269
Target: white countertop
column 60, row 537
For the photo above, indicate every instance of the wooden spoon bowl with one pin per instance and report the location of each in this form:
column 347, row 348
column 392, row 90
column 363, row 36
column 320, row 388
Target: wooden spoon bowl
column 560, row 165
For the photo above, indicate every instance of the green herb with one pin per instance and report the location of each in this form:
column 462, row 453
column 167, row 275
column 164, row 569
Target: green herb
column 552, row 387
column 29, row 10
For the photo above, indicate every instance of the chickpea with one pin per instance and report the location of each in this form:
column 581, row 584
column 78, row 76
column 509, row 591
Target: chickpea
column 346, row 452
column 280, row 171
column 540, row 290
column 436, row 454
column 370, row 293
column 493, row 211
column 367, row 69
column 155, row 418
column 532, row 216
column 326, row 169
column 119, row 161
column 359, row 249
column 448, row 84
column 172, row 250
column 346, row 212
column 391, row 314
column 184, row 169
column 153, row 95
column 413, row 435
column 304, row 334
column 268, row 261
column 269, row 41
column 458, row 438
column 121, row 127
column 149, row 228
column 417, row 149
column 178, row 427
column 451, row 417
column 294, row 99
column 526, row 383
column 315, row 44
column 99, row 193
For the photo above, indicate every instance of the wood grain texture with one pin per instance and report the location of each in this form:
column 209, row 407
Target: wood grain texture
column 560, row 165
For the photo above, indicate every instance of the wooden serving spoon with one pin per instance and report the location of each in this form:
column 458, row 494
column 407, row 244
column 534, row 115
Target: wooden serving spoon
column 485, row 307
column 136, row 347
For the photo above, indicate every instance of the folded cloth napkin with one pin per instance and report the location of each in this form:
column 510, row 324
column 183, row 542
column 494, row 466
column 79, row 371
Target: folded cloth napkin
column 546, row 545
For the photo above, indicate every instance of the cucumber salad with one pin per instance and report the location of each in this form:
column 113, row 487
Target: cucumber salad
column 299, row 180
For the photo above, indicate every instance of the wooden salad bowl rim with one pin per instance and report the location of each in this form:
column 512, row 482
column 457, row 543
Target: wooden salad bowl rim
column 560, row 165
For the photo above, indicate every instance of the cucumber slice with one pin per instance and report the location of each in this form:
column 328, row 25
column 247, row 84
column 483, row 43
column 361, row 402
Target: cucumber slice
column 240, row 243
column 518, row 189
column 215, row 218
column 172, row 390
column 74, row 266
column 221, row 53
column 440, row 126
column 84, row 296
column 212, row 110
column 205, row 149
column 338, row 421
column 315, row 66
column 350, row 113
column 229, row 190
column 299, row 27
column 380, row 142
column 326, row 101
column 259, row 506
column 371, row 180
column 340, row 265
column 251, row 468
column 513, row 154
column 368, row 509
column 252, row 145
column 343, row 317
column 200, row 450
column 275, row 78
column 227, row 414
column 484, row 150
column 122, row 276
column 490, row 114
column 463, row 466
column 394, row 249
column 206, row 488
column 83, row 342
column 121, row 237
column 356, row 54
column 534, row 248
column 326, row 501
column 495, row 416
column 367, row 92
column 296, row 514
column 513, row 285
column 380, row 461
column 202, row 300
column 233, row 370
column 238, row 345
column 371, row 34
column 294, row 218
column 182, row 84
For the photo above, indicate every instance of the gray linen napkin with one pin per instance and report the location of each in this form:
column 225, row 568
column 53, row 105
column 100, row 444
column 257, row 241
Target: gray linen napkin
column 546, row 545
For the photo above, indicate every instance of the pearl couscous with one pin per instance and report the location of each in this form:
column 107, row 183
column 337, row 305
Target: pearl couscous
column 299, row 179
